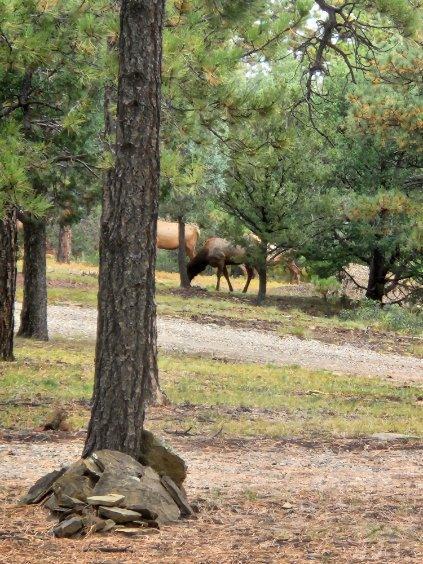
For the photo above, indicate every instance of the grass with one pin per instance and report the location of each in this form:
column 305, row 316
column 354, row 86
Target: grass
column 206, row 395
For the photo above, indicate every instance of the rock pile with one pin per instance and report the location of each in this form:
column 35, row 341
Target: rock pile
column 111, row 490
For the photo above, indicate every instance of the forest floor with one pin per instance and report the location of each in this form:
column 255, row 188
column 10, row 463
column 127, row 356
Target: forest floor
column 287, row 462
column 261, row 501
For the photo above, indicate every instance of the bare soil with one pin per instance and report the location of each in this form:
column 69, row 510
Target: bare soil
column 260, row 501
column 251, row 345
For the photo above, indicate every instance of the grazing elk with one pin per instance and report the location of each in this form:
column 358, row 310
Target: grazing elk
column 220, row 253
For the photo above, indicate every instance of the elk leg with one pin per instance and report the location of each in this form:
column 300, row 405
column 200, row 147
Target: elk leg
column 218, row 275
column 226, row 275
column 250, row 276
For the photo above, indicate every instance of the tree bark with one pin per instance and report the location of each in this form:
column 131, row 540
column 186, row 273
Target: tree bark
column 8, row 255
column 64, row 248
column 377, row 277
column 261, row 267
column 262, row 273
column 34, row 306
column 126, row 352
column 182, row 263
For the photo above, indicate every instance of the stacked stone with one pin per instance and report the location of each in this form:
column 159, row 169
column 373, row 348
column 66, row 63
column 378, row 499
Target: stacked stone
column 112, row 491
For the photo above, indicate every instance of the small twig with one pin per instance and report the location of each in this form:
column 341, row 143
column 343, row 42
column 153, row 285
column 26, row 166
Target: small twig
column 218, row 433
column 108, row 548
column 185, row 433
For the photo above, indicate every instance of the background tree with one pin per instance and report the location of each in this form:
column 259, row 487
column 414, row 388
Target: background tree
column 373, row 214
column 270, row 173
column 15, row 192
column 50, row 61
column 182, row 196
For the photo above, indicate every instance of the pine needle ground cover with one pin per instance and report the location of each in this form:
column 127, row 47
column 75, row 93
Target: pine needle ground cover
column 209, row 396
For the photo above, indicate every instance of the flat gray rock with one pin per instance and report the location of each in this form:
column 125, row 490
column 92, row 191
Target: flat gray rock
column 178, row 496
column 109, row 500
column 110, row 524
column 68, row 527
column 42, row 487
column 146, row 491
column 135, row 532
column 162, row 458
column 118, row 514
column 74, row 483
column 140, row 485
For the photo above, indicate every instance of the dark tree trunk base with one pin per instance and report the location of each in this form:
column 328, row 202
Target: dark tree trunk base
column 377, row 277
column 34, row 306
column 8, row 255
column 261, row 296
column 64, row 249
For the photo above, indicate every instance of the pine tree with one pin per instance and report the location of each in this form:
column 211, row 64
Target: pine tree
column 50, row 58
column 373, row 214
column 126, row 363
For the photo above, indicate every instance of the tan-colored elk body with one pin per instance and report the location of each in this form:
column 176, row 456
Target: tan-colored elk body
column 168, row 236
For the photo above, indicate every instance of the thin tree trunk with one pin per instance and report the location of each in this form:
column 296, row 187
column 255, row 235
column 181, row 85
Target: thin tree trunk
column 126, row 353
column 262, row 273
column 64, row 247
column 8, row 253
column 183, row 274
column 34, row 306
column 377, row 277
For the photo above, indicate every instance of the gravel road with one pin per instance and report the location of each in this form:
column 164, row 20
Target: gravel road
column 250, row 345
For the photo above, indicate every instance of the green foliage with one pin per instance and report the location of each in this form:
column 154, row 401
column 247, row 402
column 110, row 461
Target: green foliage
column 52, row 65
column 326, row 286
column 372, row 210
column 391, row 317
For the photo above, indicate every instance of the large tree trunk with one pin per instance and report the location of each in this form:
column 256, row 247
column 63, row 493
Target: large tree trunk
column 34, row 306
column 126, row 353
column 182, row 263
column 377, row 277
column 8, row 252
column 64, row 247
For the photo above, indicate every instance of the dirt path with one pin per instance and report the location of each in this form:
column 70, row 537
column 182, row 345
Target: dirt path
column 261, row 501
column 250, row 345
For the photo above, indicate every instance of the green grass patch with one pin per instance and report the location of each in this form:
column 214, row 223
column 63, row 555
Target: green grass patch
column 206, row 394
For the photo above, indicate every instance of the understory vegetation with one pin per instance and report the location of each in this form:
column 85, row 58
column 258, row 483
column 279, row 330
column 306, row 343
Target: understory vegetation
column 208, row 396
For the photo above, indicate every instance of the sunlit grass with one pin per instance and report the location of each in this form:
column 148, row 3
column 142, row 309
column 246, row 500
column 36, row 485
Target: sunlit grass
column 244, row 399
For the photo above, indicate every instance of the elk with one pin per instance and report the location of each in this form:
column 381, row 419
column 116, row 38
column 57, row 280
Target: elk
column 220, row 253
column 168, row 236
